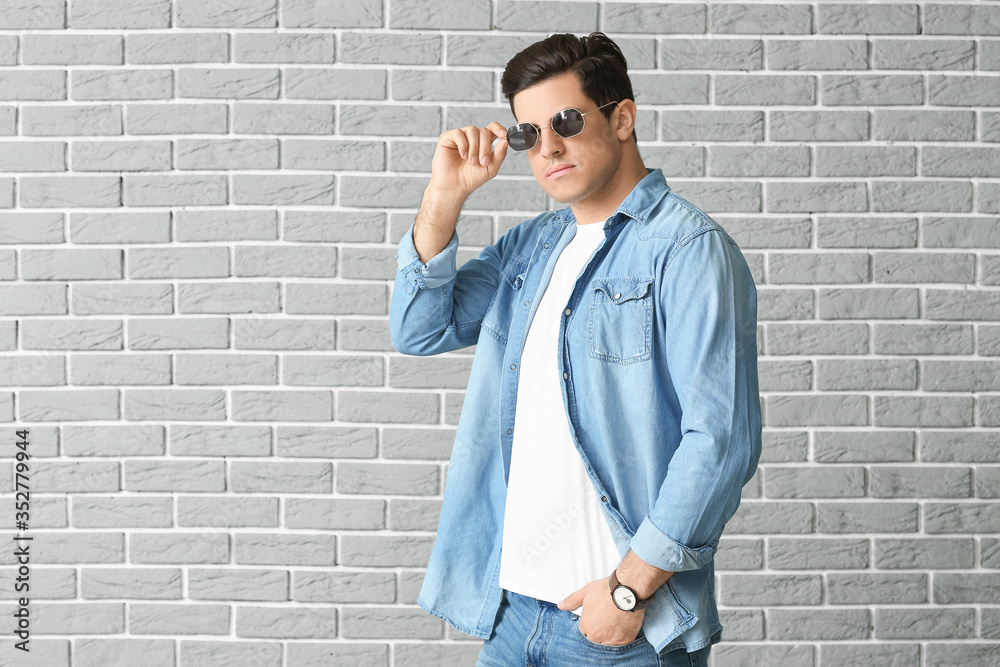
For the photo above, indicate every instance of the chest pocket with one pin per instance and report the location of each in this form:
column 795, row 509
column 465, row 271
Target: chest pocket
column 621, row 319
column 507, row 297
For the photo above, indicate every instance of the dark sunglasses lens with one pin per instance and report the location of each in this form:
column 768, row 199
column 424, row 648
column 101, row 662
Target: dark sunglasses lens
column 521, row 137
column 568, row 123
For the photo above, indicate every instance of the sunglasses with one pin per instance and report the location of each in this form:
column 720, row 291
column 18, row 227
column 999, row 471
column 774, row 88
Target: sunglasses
column 566, row 123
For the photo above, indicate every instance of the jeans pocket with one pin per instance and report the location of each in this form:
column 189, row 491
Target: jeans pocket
column 612, row 648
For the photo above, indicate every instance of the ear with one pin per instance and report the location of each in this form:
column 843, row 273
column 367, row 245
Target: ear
column 625, row 119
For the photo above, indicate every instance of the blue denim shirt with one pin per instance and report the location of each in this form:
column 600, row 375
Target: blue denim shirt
column 658, row 358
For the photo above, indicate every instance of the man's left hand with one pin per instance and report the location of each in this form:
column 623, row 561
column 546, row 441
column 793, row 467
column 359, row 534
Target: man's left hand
column 600, row 620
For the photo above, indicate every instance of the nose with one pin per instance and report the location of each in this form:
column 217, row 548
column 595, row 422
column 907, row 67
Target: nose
column 549, row 143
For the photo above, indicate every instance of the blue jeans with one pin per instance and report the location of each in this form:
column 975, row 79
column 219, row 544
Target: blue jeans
column 534, row 633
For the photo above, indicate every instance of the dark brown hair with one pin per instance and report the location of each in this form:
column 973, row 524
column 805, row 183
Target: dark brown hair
column 595, row 59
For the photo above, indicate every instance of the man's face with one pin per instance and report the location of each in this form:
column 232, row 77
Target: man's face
column 576, row 169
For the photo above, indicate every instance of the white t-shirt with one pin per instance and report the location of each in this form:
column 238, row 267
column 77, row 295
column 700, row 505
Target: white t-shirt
column 555, row 537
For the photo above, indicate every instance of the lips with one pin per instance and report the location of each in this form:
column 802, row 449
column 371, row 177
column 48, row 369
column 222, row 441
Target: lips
column 557, row 169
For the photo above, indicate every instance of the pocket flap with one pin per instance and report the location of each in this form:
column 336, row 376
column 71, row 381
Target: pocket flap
column 515, row 271
column 620, row 290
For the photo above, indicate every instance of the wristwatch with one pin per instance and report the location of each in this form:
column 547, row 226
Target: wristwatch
column 624, row 597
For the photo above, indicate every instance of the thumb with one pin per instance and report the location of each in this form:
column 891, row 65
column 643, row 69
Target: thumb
column 497, row 158
column 573, row 600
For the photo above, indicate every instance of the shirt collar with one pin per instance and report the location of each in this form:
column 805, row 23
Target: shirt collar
column 639, row 203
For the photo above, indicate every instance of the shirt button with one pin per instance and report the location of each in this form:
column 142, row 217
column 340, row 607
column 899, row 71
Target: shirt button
column 509, row 431
column 567, row 311
column 604, row 499
column 416, row 270
column 565, row 375
column 513, row 366
column 618, row 296
column 528, row 302
column 545, row 245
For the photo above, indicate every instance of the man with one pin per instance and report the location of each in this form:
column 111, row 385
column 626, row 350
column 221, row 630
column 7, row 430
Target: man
column 612, row 414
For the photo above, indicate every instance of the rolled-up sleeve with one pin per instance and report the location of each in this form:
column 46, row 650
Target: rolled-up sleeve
column 435, row 307
column 710, row 306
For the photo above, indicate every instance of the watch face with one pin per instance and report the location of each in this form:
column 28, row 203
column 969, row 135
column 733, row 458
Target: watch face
column 624, row 598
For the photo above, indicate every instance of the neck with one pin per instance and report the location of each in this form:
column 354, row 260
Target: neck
column 630, row 171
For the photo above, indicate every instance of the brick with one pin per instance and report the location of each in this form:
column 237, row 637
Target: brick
column 184, row 333
column 161, row 49
column 660, row 18
column 961, row 517
column 968, row 447
column 226, row 583
column 961, row 19
column 119, row 14
column 284, row 549
column 764, row 89
column 817, row 268
column 225, row 511
column 802, row 54
column 784, row 304
column 963, row 90
column 544, row 16
column 876, row 588
column 834, row 196
column 784, row 375
column 131, row 583
column 164, row 476
column 333, row 371
column 940, row 375
column 337, row 514
column 893, row 654
column 740, row 554
column 813, row 624
column 280, row 623
column 923, row 482
column 924, row 125
column 284, row 48
column 817, row 338
column 919, row 553
column 865, row 374
column 447, row 15
column 925, row 623
column 733, row 655
column 945, row 304
column 230, row 653
column 869, row 232
column 333, row 587
column 178, row 619
column 866, row 161
column 954, row 588
column 250, row 14
column 670, row 88
column 124, row 228
column 967, row 161
column 826, row 125
column 284, row 118
column 170, row 118
column 331, row 14
column 772, row 517
column 769, row 589
column 353, row 227
column 756, row 18
column 384, row 622
column 923, row 411
column 335, row 299
column 397, row 49
column 282, row 405
column 868, row 303
column 864, row 517
column 323, row 84
column 178, row 262
column 923, row 54
column 807, row 553
column 182, row 404
column 923, row 267
column 939, row 655
column 394, row 120
column 872, row 89
column 758, row 161
column 922, row 338
column 386, row 551
column 218, row 154
column 712, row 125
column 337, row 442
column 868, row 19
column 825, row 482
column 863, row 447
column 711, row 54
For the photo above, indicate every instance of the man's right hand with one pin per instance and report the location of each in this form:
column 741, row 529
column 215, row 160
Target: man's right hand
column 463, row 161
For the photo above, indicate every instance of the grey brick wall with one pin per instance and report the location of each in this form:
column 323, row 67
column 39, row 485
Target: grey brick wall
column 200, row 202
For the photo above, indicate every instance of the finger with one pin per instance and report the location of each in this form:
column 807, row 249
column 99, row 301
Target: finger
column 457, row 137
column 484, row 146
column 497, row 129
column 472, row 136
